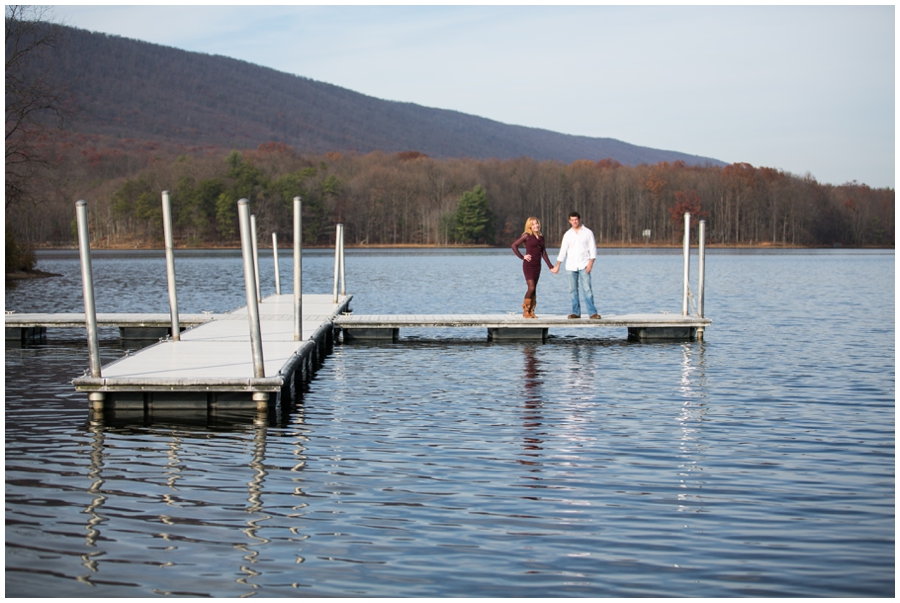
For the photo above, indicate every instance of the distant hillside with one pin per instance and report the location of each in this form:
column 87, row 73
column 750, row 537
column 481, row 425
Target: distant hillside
column 135, row 90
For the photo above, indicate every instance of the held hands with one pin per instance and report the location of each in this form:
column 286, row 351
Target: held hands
column 555, row 269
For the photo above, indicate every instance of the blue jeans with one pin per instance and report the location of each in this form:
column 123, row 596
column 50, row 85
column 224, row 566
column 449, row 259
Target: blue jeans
column 579, row 279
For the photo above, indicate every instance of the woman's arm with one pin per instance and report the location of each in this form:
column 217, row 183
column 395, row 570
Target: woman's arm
column 546, row 258
column 515, row 246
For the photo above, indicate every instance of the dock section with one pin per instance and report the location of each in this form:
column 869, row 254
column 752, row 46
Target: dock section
column 505, row 327
column 211, row 365
column 31, row 327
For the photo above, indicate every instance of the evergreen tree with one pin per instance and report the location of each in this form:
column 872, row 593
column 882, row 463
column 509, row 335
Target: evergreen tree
column 473, row 218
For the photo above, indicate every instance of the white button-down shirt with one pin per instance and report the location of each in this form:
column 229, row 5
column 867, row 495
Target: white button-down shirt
column 578, row 248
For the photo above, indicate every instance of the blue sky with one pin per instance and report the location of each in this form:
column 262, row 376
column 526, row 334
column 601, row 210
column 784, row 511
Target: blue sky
column 805, row 89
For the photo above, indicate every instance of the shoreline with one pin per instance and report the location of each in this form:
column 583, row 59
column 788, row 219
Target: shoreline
column 124, row 247
column 27, row 275
column 21, row 275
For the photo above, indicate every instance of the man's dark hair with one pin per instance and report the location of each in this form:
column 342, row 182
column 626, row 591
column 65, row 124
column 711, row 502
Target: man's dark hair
column 574, row 214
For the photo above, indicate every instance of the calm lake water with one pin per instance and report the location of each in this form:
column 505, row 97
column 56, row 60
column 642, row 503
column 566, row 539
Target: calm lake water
column 759, row 462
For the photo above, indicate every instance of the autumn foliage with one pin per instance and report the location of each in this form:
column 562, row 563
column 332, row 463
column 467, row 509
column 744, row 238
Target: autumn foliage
column 409, row 198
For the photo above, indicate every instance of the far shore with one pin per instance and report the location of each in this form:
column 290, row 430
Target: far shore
column 21, row 275
column 157, row 247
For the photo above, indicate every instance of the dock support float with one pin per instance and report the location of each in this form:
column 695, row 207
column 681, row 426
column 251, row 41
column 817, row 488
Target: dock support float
column 25, row 335
column 662, row 333
column 371, row 333
column 514, row 334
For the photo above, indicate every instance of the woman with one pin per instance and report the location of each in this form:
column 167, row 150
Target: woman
column 531, row 265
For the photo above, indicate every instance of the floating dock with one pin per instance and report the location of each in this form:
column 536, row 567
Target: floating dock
column 211, row 366
column 246, row 358
column 514, row 327
column 31, row 327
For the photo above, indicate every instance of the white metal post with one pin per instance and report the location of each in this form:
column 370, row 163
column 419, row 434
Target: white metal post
column 298, row 270
column 343, row 272
column 337, row 260
column 275, row 252
column 255, row 247
column 701, row 269
column 687, row 263
column 87, row 284
column 250, row 280
column 170, row 264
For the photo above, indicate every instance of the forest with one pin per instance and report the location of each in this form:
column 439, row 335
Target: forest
column 408, row 198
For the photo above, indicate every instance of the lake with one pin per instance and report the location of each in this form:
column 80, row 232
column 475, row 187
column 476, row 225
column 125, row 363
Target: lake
column 759, row 462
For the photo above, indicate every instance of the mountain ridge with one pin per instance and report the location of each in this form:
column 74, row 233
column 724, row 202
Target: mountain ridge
column 132, row 89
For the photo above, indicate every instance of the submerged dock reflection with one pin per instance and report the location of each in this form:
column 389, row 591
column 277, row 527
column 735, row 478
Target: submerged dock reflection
column 532, row 418
column 177, row 478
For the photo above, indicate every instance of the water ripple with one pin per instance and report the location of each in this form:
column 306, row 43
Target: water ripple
column 759, row 463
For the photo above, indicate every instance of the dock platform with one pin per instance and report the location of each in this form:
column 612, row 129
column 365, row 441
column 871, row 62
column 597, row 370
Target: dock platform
column 31, row 327
column 513, row 326
column 211, row 366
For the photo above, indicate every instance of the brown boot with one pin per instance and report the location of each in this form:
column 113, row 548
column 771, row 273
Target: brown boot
column 531, row 308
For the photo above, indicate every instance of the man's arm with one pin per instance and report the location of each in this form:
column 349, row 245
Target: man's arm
column 563, row 250
column 592, row 251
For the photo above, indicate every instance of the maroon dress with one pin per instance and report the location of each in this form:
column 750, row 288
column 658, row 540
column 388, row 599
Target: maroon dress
column 534, row 246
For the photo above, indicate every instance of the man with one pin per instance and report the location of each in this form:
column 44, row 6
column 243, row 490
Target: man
column 579, row 250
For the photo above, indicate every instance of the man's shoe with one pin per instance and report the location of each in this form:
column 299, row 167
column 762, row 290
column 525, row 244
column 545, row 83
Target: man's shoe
column 595, row 316
column 574, row 316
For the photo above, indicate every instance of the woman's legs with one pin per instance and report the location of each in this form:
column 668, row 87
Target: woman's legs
column 528, row 304
column 531, row 297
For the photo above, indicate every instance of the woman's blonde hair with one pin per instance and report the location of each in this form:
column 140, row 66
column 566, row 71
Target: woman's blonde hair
column 528, row 225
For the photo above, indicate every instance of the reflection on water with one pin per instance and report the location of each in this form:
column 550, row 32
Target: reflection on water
column 533, row 395
column 693, row 391
column 92, row 531
column 745, row 465
column 165, row 471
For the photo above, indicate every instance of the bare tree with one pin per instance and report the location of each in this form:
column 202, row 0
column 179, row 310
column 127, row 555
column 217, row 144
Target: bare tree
column 33, row 99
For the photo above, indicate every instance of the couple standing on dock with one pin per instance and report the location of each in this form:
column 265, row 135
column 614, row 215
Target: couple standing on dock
column 578, row 249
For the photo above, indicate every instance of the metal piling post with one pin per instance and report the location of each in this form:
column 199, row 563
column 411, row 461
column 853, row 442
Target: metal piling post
column 170, row 264
column 687, row 263
column 255, row 248
column 90, row 309
column 250, row 280
column 275, row 252
column 343, row 273
column 701, row 269
column 337, row 260
column 298, row 270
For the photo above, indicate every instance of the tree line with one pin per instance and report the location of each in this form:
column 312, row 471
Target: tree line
column 412, row 199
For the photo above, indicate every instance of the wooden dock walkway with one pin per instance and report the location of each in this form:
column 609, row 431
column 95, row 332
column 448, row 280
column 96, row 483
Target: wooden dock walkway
column 514, row 326
column 212, row 367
